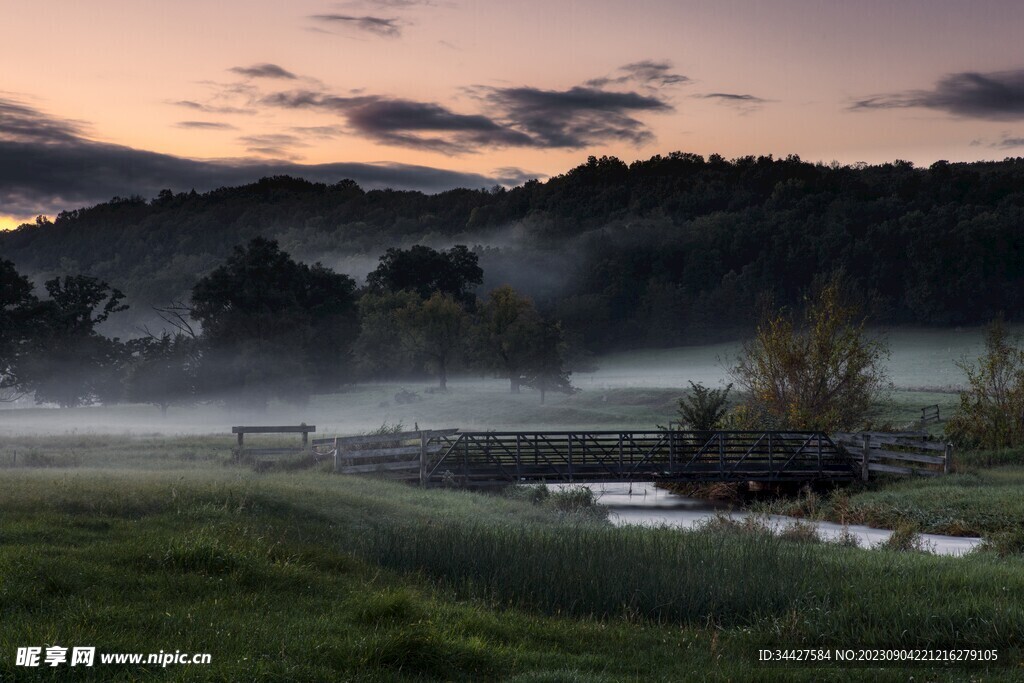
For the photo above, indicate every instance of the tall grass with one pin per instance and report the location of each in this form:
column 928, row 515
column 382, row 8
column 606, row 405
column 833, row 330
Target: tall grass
column 585, row 570
column 975, row 503
column 805, row 592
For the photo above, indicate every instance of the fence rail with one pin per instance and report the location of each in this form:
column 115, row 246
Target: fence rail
column 402, row 455
column 879, row 451
column 494, row 458
column 930, row 414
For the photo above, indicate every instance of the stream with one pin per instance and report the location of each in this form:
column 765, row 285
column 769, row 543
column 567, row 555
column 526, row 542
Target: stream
column 645, row 504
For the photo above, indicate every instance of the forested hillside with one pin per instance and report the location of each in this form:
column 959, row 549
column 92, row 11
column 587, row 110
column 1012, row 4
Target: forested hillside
column 670, row 250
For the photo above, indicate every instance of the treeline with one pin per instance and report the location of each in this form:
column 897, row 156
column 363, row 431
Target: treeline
column 263, row 326
column 674, row 249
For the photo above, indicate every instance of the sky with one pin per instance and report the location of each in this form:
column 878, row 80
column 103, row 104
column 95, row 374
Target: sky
column 116, row 98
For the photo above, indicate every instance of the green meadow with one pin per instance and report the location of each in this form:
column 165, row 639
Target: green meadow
column 135, row 535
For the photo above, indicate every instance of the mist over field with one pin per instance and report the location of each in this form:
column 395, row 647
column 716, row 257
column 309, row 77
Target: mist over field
column 630, row 390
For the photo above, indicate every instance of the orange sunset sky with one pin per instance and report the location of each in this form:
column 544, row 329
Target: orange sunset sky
column 113, row 97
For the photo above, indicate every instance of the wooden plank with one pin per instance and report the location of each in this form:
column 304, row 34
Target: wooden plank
column 274, row 430
column 911, row 457
column 384, row 453
column 273, row 451
column 875, row 443
column 879, row 435
column 400, row 436
column 921, row 445
column 411, row 465
column 377, row 438
column 894, row 469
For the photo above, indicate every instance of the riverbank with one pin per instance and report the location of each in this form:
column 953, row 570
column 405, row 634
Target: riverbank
column 976, row 501
column 649, row 505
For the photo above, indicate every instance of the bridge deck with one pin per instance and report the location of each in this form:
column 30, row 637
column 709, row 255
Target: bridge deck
column 487, row 458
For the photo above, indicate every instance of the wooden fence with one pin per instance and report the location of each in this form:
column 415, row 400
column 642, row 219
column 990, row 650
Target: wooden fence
column 896, row 453
column 930, row 414
column 403, row 455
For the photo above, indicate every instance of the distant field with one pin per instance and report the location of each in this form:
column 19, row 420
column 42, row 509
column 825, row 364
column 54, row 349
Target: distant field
column 920, row 359
column 635, row 390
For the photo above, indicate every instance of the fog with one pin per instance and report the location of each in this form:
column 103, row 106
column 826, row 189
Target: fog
column 634, row 390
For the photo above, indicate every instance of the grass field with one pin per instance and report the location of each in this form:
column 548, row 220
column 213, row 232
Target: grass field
column 149, row 544
column 130, row 533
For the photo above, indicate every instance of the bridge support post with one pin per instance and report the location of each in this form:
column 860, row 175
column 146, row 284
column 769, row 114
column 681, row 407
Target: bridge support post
column 519, row 457
column 865, row 455
column 671, row 451
column 570, row 457
column 947, row 463
column 721, row 455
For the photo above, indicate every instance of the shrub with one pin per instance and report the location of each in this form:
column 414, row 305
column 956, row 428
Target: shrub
column 991, row 411
column 705, row 409
column 820, row 373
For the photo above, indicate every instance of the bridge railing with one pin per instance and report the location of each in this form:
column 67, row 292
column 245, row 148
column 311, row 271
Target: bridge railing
column 483, row 458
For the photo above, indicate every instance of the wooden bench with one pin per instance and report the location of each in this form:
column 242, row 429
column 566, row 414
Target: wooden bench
column 279, row 429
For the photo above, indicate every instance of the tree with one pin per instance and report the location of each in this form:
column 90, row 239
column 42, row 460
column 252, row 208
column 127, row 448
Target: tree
column 505, row 334
column 380, row 349
column 434, row 330
column 705, row 409
column 71, row 364
column 545, row 368
column 272, row 326
column 991, row 411
column 18, row 306
column 423, row 270
column 821, row 375
column 163, row 370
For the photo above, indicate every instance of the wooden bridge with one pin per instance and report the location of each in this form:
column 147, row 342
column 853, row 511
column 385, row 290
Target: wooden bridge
column 497, row 458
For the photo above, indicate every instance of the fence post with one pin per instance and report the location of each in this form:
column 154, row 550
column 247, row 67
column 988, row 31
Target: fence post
column 947, row 464
column 238, row 456
column 423, row 458
column 864, row 457
column 335, row 454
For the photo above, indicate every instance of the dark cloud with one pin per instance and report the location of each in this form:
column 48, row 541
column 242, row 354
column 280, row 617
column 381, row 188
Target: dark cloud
column 264, row 71
column 46, row 167
column 517, row 117
column 406, row 123
column 381, row 26
column 1005, row 141
column 654, row 73
column 512, row 175
column 320, row 132
column 997, row 95
column 20, row 122
column 732, row 97
column 647, row 73
column 745, row 103
column 205, row 125
column 576, row 117
column 277, row 145
column 212, row 108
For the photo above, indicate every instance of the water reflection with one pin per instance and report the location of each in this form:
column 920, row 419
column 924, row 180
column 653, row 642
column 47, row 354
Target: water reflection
column 645, row 504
